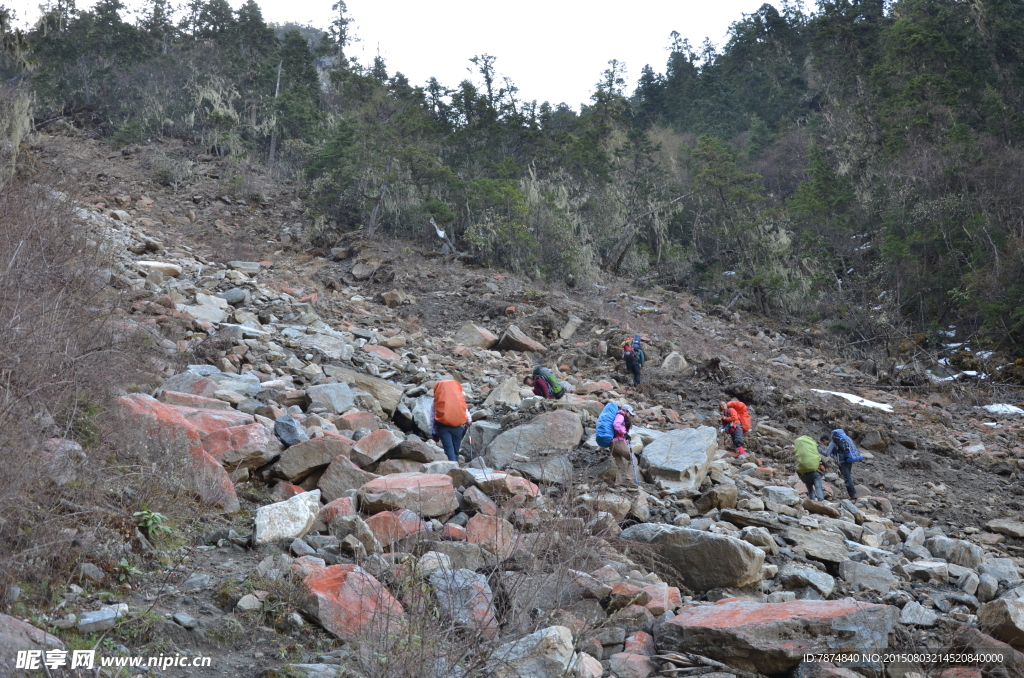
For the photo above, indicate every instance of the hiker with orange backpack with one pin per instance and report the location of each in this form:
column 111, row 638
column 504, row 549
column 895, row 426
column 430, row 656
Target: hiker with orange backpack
column 734, row 420
column 449, row 417
column 634, row 357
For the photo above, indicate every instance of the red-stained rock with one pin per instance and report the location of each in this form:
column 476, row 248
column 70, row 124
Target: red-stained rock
column 249, row 446
column 493, row 534
column 190, row 400
column 391, row 526
column 373, row 446
column 425, row 494
column 624, row 594
column 659, row 599
column 480, row 502
column 383, row 352
column 350, row 603
column 640, row 642
column 343, row 506
column 772, row 638
column 298, row 461
column 353, row 421
column 284, row 491
column 629, row 665
column 212, row 482
column 168, row 431
column 207, row 421
column 506, row 485
column 342, row 475
column 453, row 533
column 514, row 339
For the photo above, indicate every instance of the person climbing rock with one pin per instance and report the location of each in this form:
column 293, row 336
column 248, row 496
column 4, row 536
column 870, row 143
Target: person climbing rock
column 544, row 383
column 621, row 452
column 842, row 449
column 449, row 417
column 808, row 466
column 735, row 420
column 613, row 434
column 634, row 357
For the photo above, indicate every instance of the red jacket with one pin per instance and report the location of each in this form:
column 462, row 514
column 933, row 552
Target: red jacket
column 541, row 388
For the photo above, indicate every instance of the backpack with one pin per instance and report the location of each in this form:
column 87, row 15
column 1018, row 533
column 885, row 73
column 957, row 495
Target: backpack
column 808, row 458
column 605, row 430
column 449, row 403
column 631, row 350
column 845, row 445
column 549, row 376
column 742, row 411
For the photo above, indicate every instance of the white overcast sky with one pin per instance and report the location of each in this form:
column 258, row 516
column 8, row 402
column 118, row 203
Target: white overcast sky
column 553, row 50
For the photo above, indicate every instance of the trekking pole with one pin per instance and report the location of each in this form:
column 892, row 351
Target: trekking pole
column 636, row 472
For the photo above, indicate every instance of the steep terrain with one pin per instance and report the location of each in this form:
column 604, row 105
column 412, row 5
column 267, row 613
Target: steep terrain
column 286, row 373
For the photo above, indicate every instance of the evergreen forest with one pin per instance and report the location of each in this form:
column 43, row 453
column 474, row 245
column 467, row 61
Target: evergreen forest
column 859, row 163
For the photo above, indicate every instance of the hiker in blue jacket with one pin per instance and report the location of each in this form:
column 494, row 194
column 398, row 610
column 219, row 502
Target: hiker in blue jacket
column 841, row 448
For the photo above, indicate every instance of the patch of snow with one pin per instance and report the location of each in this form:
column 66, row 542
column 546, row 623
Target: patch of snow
column 950, row 333
column 952, row 345
column 729, row 273
column 857, row 400
column 1002, row 408
column 985, row 355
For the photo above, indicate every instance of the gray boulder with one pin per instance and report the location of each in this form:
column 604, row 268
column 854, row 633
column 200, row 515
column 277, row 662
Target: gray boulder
column 796, row 576
column 704, row 560
column 867, row 576
column 482, row 433
column 679, row 460
column 956, row 551
column 335, row 397
column 551, row 432
column 289, row 430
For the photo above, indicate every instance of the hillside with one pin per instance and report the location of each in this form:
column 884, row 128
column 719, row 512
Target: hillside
column 313, row 529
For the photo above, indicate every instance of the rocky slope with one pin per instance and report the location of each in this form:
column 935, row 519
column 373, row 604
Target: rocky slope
column 298, row 387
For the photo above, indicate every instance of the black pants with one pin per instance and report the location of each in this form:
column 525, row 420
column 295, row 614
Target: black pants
column 848, row 479
column 633, row 365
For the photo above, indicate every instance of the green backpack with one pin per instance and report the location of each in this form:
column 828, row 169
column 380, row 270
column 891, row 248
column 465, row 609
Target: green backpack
column 549, row 376
column 808, row 458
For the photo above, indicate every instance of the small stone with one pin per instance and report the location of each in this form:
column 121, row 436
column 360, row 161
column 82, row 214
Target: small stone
column 248, row 603
column 185, row 619
column 916, row 614
column 100, row 620
column 92, row 573
column 196, row 582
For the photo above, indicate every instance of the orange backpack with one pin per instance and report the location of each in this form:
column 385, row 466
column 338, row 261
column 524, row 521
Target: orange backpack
column 449, row 403
column 742, row 411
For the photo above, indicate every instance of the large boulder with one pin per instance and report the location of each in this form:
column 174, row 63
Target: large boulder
column 772, row 638
column 373, row 446
column 298, row 461
column 507, row 393
column 335, row 397
column 867, row 576
column 679, row 460
column 482, row 433
column 956, row 551
column 163, row 431
column 492, row 533
column 466, row 599
column 17, row 636
column 546, row 653
column 674, row 363
column 249, row 446
column 704, row 560
column 558, row 431
column 342, row 475
column 514, row 339
column 1004, row 619
column 1007, row 526
column 286, row 519
column 425, row 494
column 818, row 544
column 387, row 393
column 351, row 604
column 475, row 336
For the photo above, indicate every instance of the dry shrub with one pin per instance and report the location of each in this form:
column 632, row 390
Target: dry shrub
column 64, row 347
column 15, row 123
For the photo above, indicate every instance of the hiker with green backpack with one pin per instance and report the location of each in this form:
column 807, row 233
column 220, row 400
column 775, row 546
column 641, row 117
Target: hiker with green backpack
column 809, row 466
column 544, row 383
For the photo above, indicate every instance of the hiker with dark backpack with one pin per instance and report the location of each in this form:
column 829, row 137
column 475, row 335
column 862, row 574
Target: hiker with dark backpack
column 544, row 383
column 842, row 449
column 449, row 417
column 633, row 356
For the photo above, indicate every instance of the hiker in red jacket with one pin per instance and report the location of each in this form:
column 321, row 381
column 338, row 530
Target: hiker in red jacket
column 734, row 420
